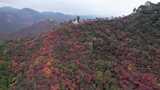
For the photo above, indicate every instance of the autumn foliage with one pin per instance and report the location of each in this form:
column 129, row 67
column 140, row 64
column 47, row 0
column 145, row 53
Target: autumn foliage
column 117, row 54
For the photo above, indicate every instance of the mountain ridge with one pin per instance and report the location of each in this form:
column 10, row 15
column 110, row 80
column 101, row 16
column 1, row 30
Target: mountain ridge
column 13, row 19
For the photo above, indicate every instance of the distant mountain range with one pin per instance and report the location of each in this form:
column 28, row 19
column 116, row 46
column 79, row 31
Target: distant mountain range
column 26, row 21
column 13, row 19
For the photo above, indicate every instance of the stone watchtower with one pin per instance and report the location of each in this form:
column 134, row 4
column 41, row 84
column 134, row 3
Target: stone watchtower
column 76, row 20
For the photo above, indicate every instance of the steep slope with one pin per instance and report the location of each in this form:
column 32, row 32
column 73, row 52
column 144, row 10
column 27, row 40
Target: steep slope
column 84, row 57
column 144, row 30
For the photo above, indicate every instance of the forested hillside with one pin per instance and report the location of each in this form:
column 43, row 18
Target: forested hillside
column 5, row 72
column 118, row 54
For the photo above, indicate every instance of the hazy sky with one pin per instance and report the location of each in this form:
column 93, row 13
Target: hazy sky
column 80, row 7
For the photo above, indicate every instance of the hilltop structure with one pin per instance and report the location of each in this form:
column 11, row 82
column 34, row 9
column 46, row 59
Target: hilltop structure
column 76, row 20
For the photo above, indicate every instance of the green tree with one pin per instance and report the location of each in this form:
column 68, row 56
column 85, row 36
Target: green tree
column 5, row 76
